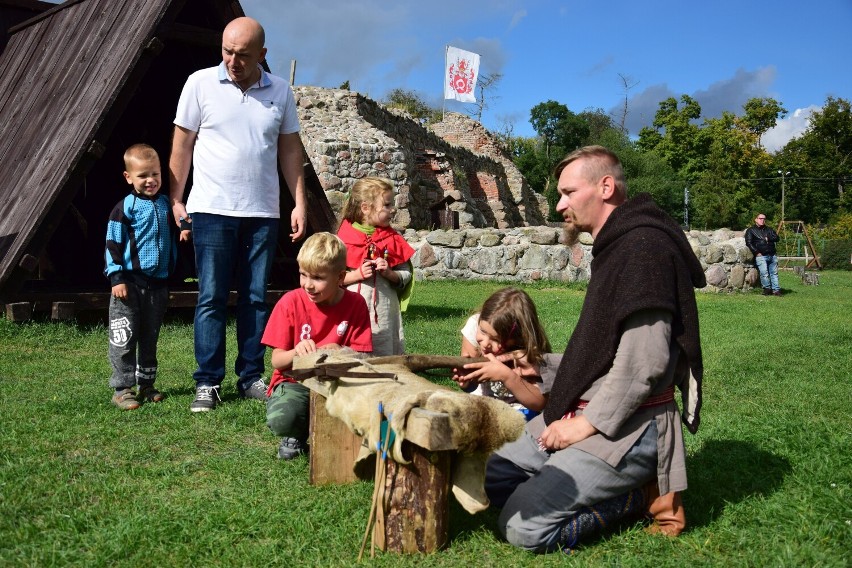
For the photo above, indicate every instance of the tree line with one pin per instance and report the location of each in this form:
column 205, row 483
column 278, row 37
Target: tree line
column 708, row 173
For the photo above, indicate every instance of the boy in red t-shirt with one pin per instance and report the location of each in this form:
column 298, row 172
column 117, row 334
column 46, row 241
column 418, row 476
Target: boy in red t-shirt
column 319, row 315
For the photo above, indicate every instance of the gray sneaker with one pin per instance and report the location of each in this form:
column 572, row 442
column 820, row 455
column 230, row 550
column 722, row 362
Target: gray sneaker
column 256, row 390
column 290, row 448
column 205, row 399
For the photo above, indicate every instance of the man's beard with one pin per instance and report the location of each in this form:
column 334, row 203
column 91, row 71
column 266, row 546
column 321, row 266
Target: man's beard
column 570, row 234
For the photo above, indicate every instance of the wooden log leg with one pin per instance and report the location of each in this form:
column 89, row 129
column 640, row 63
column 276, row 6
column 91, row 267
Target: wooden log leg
column 19, row 311
column 333, row 446
column 61, row 311
column 413, row 515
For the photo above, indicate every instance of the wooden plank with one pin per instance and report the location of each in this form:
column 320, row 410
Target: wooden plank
column 70, row 108
column 99, row 100
column 334, row 447
column 36, row 119
column 61, row 311
column 19, row 311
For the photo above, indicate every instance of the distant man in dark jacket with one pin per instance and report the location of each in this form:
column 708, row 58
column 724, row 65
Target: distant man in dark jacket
column 761, row 240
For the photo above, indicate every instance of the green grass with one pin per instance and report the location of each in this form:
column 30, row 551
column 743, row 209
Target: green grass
column 82, row 483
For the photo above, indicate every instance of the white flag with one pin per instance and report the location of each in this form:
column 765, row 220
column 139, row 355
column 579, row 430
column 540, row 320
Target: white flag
column 462, row 71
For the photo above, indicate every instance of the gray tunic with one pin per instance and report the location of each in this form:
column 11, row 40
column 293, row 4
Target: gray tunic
column 385, row 314
column 647, row 363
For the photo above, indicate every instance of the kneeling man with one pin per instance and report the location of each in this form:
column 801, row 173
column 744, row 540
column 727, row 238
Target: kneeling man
column 609, row 441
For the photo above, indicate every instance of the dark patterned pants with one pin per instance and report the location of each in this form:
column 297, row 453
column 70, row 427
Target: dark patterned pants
column 133, row 329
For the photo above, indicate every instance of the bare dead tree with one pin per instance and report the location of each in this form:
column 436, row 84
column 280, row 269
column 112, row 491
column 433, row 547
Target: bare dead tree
column 627, row 83
column 485, row 83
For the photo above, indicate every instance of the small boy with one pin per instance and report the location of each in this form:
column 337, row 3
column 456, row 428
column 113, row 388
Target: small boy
column 140, row 254
column 319, row 314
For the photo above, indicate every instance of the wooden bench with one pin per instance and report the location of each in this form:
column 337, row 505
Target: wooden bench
column 416, row 495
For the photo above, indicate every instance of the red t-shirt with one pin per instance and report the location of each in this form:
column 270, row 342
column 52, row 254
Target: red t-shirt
column 295, row 317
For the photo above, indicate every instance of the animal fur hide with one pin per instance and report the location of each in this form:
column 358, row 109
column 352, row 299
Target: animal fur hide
column 478, row 425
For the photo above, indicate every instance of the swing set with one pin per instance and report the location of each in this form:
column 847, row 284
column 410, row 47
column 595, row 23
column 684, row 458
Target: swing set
column 796, row 243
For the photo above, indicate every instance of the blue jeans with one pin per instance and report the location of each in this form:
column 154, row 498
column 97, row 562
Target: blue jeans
column 768, row 268
column 226, row 248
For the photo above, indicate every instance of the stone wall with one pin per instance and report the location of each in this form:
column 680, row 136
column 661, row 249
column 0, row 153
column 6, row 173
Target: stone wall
column 530, row 254
column 348, row 136
column 502, row 235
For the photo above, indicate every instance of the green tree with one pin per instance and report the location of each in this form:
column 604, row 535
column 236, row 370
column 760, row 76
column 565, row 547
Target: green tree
column 527, row 155
column 761, row 114
column 821, row 164
column 546, row 119
column 829, row 142
column 599, row 124
column 675, row 135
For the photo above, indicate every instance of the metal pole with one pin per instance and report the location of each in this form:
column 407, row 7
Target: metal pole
column 783, row 175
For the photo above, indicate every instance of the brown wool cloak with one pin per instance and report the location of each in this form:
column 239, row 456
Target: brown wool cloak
column 642, row 260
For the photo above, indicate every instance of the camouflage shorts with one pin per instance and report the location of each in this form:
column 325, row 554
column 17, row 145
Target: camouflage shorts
column 287, row 411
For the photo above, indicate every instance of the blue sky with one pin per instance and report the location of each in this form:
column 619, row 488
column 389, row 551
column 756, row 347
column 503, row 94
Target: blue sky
column 722, row 52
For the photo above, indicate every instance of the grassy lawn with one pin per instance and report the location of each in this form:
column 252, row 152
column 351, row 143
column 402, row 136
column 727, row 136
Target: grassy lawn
column 82, row 483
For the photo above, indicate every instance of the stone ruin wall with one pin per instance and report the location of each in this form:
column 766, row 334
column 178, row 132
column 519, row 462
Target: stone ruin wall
column 530, row 254
column 503, row 235
column 348, row 136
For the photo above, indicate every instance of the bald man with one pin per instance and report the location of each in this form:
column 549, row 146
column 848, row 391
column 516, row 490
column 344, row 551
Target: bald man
column 235, row 124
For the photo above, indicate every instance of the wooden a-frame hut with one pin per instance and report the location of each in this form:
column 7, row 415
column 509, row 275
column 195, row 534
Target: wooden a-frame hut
column 81, row 82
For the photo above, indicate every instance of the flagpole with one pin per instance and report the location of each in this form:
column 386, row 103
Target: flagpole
column 444, row 84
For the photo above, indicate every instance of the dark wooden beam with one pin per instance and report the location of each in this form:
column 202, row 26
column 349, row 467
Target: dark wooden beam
column 84, row 301
column 192, row 35
column 48, row 11
column 31, row 5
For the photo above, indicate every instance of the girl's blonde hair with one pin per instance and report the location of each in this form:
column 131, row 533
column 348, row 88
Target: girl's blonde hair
column 321, row 252
column 512, row 314
column 366, row 190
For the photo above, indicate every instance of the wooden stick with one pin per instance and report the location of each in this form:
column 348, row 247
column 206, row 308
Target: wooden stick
column 416, row 362
column 375, row 484
column 424, row 362
column 382, row 474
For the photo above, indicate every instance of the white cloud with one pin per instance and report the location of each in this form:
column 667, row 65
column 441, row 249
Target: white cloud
column 792, row 126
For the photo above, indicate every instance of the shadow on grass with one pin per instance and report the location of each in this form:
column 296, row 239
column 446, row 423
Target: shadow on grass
column 434, row 312
column 729, row 471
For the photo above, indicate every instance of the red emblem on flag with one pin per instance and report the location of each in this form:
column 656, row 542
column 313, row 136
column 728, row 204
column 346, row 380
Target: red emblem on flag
column 462, row 77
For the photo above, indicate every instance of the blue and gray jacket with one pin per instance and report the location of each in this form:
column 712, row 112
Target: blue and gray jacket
column 140, row 247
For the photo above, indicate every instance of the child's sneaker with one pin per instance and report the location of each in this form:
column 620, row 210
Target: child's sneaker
column 148, row 393
column 290, row 448
column 125, row 399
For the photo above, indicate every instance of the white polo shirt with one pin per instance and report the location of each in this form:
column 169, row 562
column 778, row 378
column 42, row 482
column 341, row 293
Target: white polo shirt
column 235, row 159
